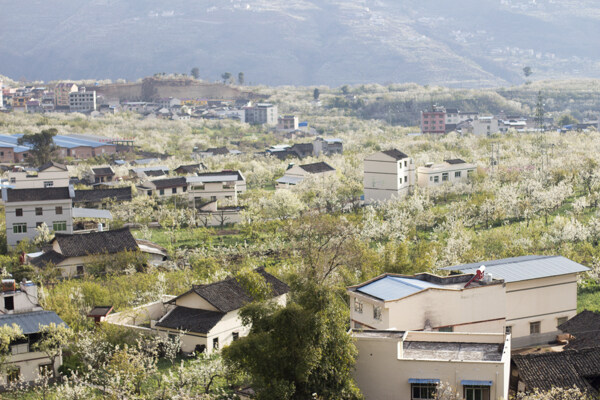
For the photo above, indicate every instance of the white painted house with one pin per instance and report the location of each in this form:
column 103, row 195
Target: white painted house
column 297, row 173
column 388, row 174
column 213, row 186
column 449, row 171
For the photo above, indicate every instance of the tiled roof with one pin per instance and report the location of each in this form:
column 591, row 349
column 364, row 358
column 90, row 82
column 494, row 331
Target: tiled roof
column 455, row 161
column 39, row 194
column 585, row 328
column 394, row 153
column 217, row 150
column 169, row 183
column 228, row 295
column 188, row 169
column 563, row 369
column 316, row 168
column 49, row 257
column 97, row 195
column 156, row 172
column 111, row 242
column 30, row 321
column 52, row 164
column 103, row 171
column 523, row 268
column 191, row 319
column 216, row 177
column 100, row 311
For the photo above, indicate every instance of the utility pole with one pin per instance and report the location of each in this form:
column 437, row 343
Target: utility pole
column 539, row 112
column 495, row 156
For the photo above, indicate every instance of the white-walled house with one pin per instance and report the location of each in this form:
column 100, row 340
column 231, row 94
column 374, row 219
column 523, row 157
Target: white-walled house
column 213, row 186
column 207, row 315
column 449, row 171
column 163, row 188
column 297, row 173
column 20, row 306
column 541, row 294
column 399, row 365
column 48, row 175
column 388, row 174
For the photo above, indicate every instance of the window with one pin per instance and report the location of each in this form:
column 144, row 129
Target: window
column 19, row 212
column 184, row 189
column 149, row 192
column 444, row 177
column 477, row 393
column 215, row 343
column 213, row 198
column 9, row 302
column 198, row 187
column 59, row 225
column 358, row 306
column 38, row 224
column 405, row 164
column 79, row 270
column 561, row 320
column 19, row 228
column 39, row 211
column 436, row 179
column 405, row 179
column 446, row 329
column 377, row 313
column 13, row 180
column 1, row 153
column 534, row 327
column 45, row 369
column 235, row 336
column 508, row 330
column 162, row 191
column 469, row 172
column 457, row 174
column 48, row 184
column 13, row 374
column 431, row 178
column 174, row 190
column 58, row 210
column 423, row 390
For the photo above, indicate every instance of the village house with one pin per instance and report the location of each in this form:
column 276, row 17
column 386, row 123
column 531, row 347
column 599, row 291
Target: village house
column 71, row 253
column 297, row 173
column 449, row 171
column 163, row 188
column 20, row 306
column 327, row 146
column 49, row 175
column 287, row 122
column 541, row 294
column 400, row 365
column 102, row 174
column 61, row 95
column 82, row 100
column 433, row 121
column 97, row 198
column 148, row 172
column 213, row 186
column 189, row 169
column 206, row 315
column 388, row 174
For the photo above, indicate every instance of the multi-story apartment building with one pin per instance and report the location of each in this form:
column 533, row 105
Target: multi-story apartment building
column 287, row 122
column 485, row 125
column 434, row 121
column 61, row 95
column 82, row 100
column 449, row 171
column 213, row 186
column 20, row 306
column 388, row 174
column 262, row 113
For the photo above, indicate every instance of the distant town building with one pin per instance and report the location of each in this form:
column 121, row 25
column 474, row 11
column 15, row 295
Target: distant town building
column 82, row 100
column 449, row 171
column 261, row 113
column 434, row 121
column 328, row 146
column 388, row 174
column 287, row 122
column 61, row 95
column 485, row 125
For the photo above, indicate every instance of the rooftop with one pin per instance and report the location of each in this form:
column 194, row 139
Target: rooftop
column 524, row 268
column 394, row 153
column 216, row 177
column 38, row 194
column 316, row 168
column 30, row 322
column 191, row 319
column 97, row 195
column 169, row 183
column 110, row 242
column 455, row 351
column 585, row 328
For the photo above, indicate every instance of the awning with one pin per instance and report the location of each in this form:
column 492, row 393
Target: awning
column 417, row 380
column 91, row 213
column 475, row 383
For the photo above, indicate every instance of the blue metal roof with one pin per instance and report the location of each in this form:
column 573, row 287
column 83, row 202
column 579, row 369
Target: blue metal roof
column 466, row 382
column 417, row 380
column 393, row 287
column 67, row 142
column 30, row 321
column 524, row 268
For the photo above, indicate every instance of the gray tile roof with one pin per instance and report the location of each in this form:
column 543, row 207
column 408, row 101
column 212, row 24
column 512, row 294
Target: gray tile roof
column 585, row 329
column 394, row 153
column 316, row 168
column 98, row 195
column 30, row 322
column 191, row 319
column 52, row 164
column 524, row 268
column 110, row 242
column 50, row 257
column 169, row 183
column 103, row 171
column 40, row 194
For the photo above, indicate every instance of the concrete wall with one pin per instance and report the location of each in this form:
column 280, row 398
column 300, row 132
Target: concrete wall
column 544, row 300
column 382, row 374
column 31, row 219
column 479, row 309
column 386, row 177
column 26, row 180
column 216, row 190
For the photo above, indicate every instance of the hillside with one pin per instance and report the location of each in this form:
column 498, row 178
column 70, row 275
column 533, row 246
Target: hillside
column 466, row 43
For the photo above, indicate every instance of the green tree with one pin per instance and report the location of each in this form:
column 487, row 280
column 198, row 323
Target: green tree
column 196, row 72
column 539, row 111
column 226, row 76
column 43, row 149
column 527, row 71
column 345, row 89
column 299, row 350
column 241, row 78
column 316, row 93
column 53, row 339
column 566, row 119
column 8, row 334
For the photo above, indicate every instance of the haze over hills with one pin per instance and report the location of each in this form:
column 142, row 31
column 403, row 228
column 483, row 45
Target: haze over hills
column 464, row 43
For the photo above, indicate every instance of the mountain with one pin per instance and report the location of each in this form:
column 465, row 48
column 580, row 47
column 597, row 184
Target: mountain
column 463, row 43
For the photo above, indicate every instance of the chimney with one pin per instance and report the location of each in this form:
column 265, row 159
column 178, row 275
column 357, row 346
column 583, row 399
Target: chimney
column 100, row 228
